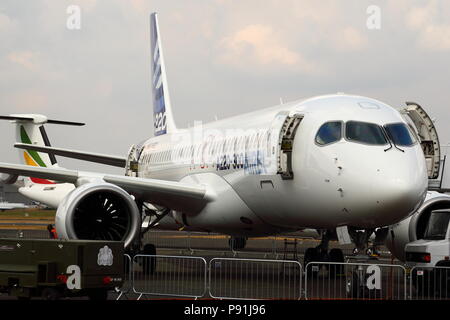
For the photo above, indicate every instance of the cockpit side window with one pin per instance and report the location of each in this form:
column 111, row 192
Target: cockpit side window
column 400, row 134
column 363, row 132
column 329, row 132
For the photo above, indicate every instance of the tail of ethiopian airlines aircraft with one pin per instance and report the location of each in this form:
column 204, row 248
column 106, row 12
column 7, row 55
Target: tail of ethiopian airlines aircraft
column 30, row 130
column 33, row 132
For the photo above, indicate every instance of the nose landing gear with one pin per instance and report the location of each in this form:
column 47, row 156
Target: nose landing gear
column 361, row 240
column 237, row 243
column 322, row 254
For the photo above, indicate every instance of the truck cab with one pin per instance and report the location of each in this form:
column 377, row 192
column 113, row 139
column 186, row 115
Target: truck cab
column 434, row 249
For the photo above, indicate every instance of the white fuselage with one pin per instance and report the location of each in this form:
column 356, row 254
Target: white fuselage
column 243, row 160
column 11, row 206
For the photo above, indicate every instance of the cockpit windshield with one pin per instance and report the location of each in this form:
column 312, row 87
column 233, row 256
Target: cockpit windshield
column 363, row 132
column 329, row 132
column 400, row 134
column 437, row 225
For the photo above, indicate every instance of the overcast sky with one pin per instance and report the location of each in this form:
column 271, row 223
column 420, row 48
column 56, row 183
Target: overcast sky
column 222, row 58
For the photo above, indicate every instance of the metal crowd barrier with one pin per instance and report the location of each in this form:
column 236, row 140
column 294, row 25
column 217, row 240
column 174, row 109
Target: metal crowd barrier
column 245, row 279
column 430, row 283
column 127, row 286
column 176, row 276
column 355, row 281
column 231, row 278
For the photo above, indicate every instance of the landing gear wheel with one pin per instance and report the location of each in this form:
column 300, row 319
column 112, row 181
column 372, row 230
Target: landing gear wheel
column 237, row 243
column 336, row 255
column 311, row 255
column 149, row 263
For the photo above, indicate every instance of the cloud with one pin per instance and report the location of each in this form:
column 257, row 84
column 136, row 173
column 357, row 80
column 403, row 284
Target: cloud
column 5, row 21
column 431, row 33
column 258, row 45
column 26, row 59
column 350, row 39
column 30, row 100
column 7, row 25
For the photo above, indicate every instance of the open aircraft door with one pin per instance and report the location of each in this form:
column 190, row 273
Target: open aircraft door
column 424, row 127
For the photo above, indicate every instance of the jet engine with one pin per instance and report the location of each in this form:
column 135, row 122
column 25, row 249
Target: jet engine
column 413, row 228
column 8, row 179
column 98, row 211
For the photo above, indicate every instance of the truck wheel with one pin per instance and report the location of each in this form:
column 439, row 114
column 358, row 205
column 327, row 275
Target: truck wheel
column 51, row 294
column 98, row 295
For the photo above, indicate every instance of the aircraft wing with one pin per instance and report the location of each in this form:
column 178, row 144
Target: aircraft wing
column 179, row 196
column 75, row 154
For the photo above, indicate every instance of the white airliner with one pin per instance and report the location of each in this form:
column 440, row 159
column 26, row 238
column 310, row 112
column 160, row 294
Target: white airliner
column 10, row 206
column 325, row 162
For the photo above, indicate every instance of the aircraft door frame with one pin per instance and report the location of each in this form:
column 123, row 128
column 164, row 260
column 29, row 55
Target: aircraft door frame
column 428, row 136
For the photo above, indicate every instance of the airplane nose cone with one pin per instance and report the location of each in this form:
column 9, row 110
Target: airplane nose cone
column 401, row 197
column 390, row 196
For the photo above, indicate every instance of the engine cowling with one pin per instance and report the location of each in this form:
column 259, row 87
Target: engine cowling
column 98, row 211
column 8, row 178
column 413, row 228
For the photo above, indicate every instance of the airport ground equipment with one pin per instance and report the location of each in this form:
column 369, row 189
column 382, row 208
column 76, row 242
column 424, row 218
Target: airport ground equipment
column 430, row 256
column 53, row 269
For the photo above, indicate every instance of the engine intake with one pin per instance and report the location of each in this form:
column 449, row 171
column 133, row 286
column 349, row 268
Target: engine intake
column 98, row 211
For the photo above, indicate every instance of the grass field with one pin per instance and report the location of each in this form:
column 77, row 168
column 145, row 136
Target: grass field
column 30, row 213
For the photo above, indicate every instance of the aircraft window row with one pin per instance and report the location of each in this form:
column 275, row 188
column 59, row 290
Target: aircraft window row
column 212, row 147
column 366, row 133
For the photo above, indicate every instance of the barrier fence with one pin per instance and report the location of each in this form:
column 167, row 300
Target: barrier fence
column 127, row 286
column 169, row 276
column 232, row 278
column 430, row 284
column 254, row 279
column 355, row 281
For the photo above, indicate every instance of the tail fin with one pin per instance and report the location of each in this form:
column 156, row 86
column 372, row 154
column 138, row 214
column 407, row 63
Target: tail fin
column 30, row 130
column 162, row 111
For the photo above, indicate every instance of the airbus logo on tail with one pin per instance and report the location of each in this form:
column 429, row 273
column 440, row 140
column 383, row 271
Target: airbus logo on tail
column 159, row 103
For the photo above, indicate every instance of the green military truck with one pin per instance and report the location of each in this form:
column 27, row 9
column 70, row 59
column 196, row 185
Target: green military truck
column 53, row 269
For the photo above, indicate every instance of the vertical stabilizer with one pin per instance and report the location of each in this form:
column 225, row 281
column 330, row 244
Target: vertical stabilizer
column 30, row 129
column 33, row 132
column 162, row 111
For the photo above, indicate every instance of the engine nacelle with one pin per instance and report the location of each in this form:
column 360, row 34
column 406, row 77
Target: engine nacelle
column 98, row 211
column 8, row 178
column 413, row 228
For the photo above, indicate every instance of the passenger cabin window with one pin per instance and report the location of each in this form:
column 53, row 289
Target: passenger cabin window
column 329, row 132
column 400, row 134
column 363, row 132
